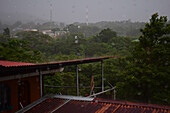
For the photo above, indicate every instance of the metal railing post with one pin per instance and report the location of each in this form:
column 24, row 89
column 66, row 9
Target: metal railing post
column 102, row 75
column 77, row 77
column 41, row 92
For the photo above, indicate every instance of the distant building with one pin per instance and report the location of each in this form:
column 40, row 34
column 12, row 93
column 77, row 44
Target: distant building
column 48, row 32
column 60, row 33
column 30, row 30
column 54, row 34
column 17, row 29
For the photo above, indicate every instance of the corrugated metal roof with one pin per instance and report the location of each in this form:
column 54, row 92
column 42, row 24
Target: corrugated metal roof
column 8, row 68
column 128, row 106
column 97, row 105
column 62, row 63
column 76, row 62
column 15, row 64
column 46, row 106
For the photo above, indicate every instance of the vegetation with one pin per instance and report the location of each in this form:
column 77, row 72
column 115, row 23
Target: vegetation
column 141, row 73
column 17, row 50
column 146, row 77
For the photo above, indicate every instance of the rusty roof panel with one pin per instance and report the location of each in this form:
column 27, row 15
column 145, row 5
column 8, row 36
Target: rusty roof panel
column 131, row 104
column 97, row 105
column 79, row 107
column 46, row 106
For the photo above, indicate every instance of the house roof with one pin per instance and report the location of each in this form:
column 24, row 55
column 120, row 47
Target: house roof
column 62, row 63
column 14, row 68
column 59, row 104
column 14, row 64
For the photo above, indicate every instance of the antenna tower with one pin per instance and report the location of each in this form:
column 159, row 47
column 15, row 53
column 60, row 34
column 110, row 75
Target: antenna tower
column 50, row 16
column 87, row 15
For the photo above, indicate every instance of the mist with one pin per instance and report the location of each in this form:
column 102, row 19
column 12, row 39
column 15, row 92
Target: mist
column 69, row 11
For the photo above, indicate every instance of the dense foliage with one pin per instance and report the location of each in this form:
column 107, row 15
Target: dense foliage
column 147, row 76
column 17, row 50
column 141, row 73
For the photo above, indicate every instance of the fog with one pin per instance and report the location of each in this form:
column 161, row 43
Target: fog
column 70, row 11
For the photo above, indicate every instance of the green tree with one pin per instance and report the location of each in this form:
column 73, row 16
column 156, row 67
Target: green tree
column 72, row 28
column 18, row 50
column 54, row 80
column 147, row 77
column 105, row 35
column 6, row 32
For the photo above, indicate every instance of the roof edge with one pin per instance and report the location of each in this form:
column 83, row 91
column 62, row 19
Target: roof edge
column 70, row 97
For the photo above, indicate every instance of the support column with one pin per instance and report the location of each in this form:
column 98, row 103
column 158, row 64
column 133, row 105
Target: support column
column 41, row 90
column 114, row 93
column 102, row 75
column 77, row 78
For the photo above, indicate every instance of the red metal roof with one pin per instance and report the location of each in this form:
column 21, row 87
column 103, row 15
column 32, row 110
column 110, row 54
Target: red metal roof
column 8, row 68
column 87, row 60
column 15, row 64
column 97, row 105
column 70, row 62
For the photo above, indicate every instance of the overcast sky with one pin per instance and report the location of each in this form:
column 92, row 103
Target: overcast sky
column 98, row 10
